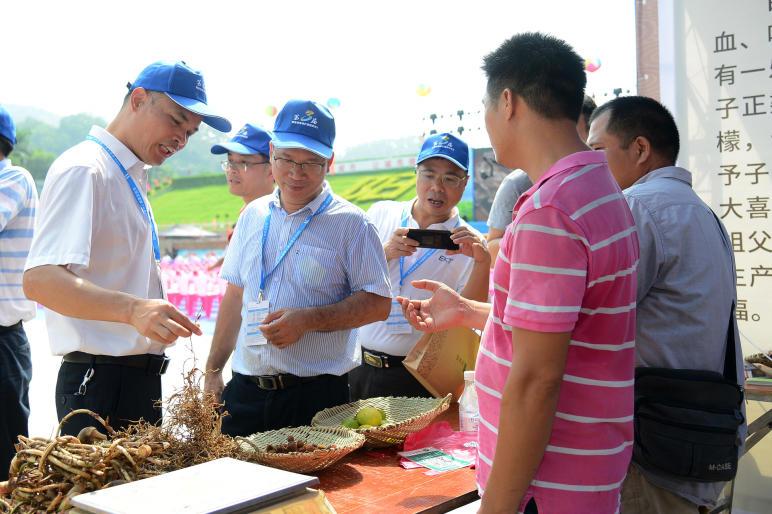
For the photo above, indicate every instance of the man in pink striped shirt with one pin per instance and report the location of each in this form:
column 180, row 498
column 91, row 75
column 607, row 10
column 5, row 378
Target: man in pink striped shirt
column 555, row 368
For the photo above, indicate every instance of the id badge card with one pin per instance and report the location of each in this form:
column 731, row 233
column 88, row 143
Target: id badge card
column 256, row 313
column 396, row 323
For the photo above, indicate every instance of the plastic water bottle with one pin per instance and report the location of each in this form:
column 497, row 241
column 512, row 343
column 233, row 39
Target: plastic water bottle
column 468, row 410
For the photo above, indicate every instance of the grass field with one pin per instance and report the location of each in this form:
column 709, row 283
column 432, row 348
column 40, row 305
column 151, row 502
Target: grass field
column 214, row 204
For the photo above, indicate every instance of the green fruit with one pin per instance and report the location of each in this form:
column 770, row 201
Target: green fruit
column 350, row 423
column 369, row 416
column 364, row 427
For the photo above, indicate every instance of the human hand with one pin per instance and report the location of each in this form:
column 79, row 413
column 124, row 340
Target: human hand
column 442, row 311
column 214, row 384
column 160, row 320
column 284, row 327
column 470, row 245
column 399, row 245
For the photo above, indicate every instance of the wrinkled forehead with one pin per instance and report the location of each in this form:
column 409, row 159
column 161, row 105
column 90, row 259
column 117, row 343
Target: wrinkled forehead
column 441, row 166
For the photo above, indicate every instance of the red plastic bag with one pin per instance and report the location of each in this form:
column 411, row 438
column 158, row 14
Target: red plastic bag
column 440, row 435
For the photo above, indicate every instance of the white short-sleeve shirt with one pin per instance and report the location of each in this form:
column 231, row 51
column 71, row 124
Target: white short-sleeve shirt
column 89, row 221
column 453, row 270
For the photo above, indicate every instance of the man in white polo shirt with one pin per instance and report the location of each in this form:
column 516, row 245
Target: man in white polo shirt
column 441, row 176
column 94, row 257
column 18, row 200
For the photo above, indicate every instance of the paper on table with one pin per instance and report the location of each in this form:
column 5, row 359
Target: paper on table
column 435, row 459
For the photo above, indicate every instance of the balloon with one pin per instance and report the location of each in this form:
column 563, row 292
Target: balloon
column 333, row 103
column 592, row 65
column 271, row 110
column 423, row 90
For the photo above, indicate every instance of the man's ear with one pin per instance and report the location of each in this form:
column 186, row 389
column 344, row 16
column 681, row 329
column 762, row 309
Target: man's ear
column 642, row 147
column 138, row 98
column 508, row 101
column 330, row 161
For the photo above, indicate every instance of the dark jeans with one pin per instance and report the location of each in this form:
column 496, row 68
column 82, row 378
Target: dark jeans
column 251, row 409
column 369, row 382
column 15, row 376
column 120, row 394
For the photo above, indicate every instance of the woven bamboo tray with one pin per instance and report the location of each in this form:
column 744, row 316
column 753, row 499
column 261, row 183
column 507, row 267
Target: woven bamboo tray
column 403, row 417
column 345, row 441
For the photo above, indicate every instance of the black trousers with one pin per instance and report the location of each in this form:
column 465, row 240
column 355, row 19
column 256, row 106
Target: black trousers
column 120, row 394
column 530, row 507
column 251, row 409
column 369, row 382
column 15, row 376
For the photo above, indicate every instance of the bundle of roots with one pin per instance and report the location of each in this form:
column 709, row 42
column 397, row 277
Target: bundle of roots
column 46, row 473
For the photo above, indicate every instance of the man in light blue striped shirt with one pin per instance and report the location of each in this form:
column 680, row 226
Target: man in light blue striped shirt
column 18, row 201
column 304, row 268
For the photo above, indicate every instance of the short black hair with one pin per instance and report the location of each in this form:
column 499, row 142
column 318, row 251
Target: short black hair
column 588, row 107
column 633, row 116
column 6, row 147
column 543, row 70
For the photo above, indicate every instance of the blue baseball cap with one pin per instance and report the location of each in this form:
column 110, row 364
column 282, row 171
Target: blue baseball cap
column 184, row 85
column 305, row 124
column 250, row 140
column 447, row 146
column 7, row 126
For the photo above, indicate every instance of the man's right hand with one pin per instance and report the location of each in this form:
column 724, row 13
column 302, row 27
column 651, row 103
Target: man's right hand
column 213, row 383
column 399, row 245
column 160, row 320
column 442, row 311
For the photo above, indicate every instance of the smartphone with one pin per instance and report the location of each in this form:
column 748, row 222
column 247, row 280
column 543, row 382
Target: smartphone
column 432, row 238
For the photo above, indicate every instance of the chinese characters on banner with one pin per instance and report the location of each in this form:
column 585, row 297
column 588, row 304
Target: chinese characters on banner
column 720, row 89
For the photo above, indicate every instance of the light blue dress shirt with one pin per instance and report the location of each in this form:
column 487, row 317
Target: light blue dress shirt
column 686, row 286
column 338, row 254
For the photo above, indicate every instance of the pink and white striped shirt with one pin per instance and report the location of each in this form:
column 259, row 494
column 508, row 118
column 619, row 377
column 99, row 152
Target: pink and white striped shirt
column 567, row 264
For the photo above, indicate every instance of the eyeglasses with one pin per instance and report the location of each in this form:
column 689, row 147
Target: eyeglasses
column 283, row 164
column 449, row 181
column 240, row 166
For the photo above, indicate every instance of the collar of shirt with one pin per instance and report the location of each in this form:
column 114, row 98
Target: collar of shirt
column 448, row 224
column 5, row 163
column 673, row 172
column 573, row 160
column 313, row 205
column 126, row 156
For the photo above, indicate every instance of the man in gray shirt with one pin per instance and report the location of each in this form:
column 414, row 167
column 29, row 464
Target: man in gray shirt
column 686, row 274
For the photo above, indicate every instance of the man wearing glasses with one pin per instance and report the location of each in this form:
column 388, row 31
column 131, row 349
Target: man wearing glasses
column 441, row 176
column 304, row 268
column 247, row 168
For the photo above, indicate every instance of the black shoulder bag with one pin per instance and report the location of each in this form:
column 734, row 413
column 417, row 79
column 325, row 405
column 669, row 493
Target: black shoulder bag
column 687, row 421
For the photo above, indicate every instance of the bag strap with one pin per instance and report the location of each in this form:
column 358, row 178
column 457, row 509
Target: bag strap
column 730, row 368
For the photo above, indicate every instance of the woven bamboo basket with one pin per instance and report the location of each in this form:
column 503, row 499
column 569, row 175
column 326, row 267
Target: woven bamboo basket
column 403, row 417
column 344, row 440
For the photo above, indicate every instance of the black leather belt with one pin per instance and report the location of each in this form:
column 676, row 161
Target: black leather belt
column 15, row 326
column 275, row 382
column 152, row 364
column 380, row 359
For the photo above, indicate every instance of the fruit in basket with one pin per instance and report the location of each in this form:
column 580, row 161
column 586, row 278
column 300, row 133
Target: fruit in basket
column 296, row 446
column 350, row 422
column 370, row 416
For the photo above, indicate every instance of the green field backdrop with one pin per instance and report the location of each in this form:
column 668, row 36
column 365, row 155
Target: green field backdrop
column 205, row 200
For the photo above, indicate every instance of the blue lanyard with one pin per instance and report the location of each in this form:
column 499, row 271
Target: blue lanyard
column 137, row 196
column 402, row 274
column 290, row 243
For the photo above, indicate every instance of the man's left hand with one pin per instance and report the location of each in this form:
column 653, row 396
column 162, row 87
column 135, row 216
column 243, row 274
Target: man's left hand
column 284, row 327
column 470, row 245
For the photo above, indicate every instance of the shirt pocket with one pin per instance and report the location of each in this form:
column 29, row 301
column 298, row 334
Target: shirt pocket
column 319, row 269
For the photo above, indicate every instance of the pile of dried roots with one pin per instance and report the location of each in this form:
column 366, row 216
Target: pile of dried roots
column 46, row 473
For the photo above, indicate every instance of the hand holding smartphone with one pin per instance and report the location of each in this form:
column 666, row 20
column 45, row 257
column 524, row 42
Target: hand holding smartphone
column 432, row 238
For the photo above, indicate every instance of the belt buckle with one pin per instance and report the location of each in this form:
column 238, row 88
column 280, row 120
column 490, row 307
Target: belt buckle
column 262, row 383
column 373, row 360
column 157, row 365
